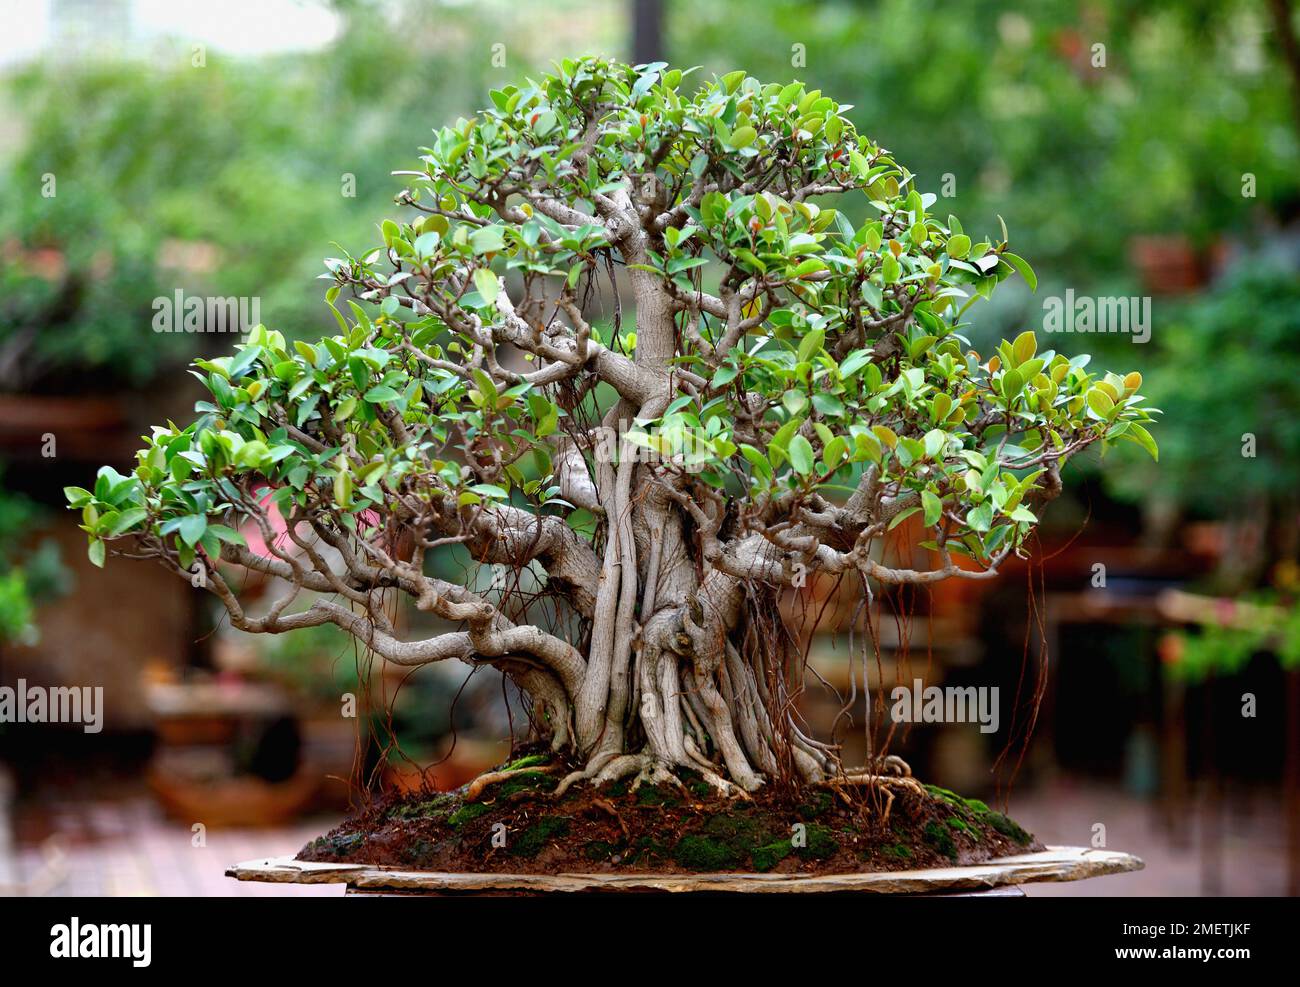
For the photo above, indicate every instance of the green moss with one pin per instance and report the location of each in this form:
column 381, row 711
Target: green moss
column 695, row 783
column 819, row 804
column 976, row 806
column 600, row 850
column 530, row 842
column 821, row 844
column 897, row 850
column 765, row 857
column 956, row 822
column 530, row 761
column 467, row 813
column 1007, row 827
column 939, row 838
column 736, row 828
column 338, row 846
column 528, row 781
column 657, row 795
column 434, row 807
column 700, row 852
column 727, row 840
column 647, row 847
column 944, row 795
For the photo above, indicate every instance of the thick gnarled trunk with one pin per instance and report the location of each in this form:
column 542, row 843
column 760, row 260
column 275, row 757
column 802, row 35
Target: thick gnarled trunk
column 676, row 677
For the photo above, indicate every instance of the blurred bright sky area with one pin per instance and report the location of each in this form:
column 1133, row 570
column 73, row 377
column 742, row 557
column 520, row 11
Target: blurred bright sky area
column 29, row 28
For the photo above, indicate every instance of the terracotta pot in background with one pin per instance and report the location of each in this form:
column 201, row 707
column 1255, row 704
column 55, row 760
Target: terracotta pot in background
column 1168, row 264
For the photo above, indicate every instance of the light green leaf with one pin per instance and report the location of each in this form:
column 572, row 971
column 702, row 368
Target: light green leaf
column 487, row 284
column 743, row 136
column 1142, row 437
column 1100, row 402
column 933, row 508
column 1022, row 265
column 801, row 455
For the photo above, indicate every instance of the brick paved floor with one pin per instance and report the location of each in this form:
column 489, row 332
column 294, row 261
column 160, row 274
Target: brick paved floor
column 1250, row 859
column 127, row 847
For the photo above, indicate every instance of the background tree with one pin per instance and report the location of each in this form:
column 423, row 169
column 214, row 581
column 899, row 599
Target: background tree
column 789, row 387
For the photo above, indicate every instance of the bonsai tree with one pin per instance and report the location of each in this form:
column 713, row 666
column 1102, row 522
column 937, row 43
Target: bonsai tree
column 627, row 343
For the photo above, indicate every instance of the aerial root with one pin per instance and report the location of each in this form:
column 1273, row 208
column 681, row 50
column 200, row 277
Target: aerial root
column 886, row 783
column 475, row 788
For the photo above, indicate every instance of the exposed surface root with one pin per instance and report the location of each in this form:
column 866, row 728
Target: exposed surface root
column 655, row 772
column 589, row 771
column 475, row 787
column 893, row 764
column 886, row 784
column 884, row 781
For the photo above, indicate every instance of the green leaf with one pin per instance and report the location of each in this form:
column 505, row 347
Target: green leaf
column 1012, row 384
column 900, row 517
column 126, row 520
column 933, row 508
column 835, row 452
column 854, row 362
column 1142, row 437
column 724, row 375
column 732, row 80
column 743, row 136
column 794, row 401
column 343, row 488
column 491, row 490
column 381, row 393
column 253, row 454
column 980, row 518
column 827, row 403
column 810, row 344
column 757, row 460
column 77, row 496
column 426, row 243
column 1022, row 265
column 869, row 446
column 487, row 239
column 889, row 269
column 192, row 528
column 96, row 552
column 226, row 534
column 1024, row 348
column 1099, row 401
column 487, row 284
column 801, row 455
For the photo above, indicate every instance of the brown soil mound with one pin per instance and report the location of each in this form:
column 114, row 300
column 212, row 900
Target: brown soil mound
column 663, row 829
